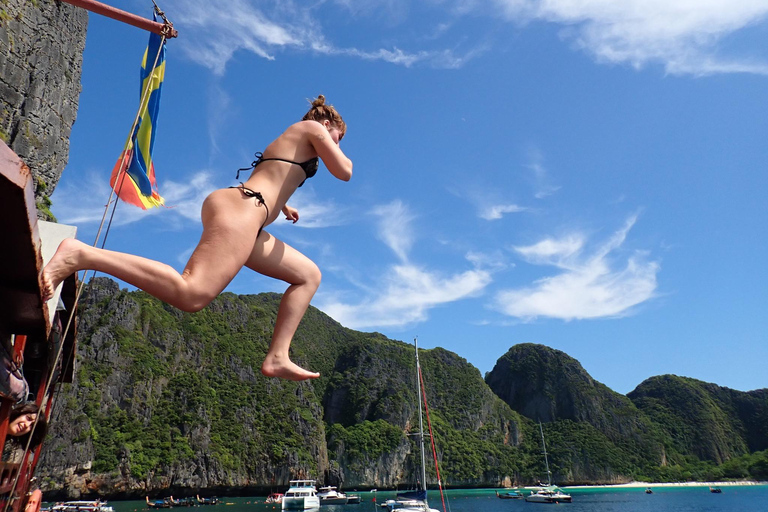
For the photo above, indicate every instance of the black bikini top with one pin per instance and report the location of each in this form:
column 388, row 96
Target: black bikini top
column 309, row 167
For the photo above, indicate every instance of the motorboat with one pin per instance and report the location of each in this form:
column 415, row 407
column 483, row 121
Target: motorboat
column 301, row 495
column 331, row 496
column 353, row 499
column 163, row 503
column 82, row 506
column 549, row 494
column 648, row 490
column 715, row 490
column 412, row 501
column 208, row 501
column 509, row 495
column 275, row 497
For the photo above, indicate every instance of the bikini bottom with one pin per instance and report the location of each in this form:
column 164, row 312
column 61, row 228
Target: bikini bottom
column 260, row 200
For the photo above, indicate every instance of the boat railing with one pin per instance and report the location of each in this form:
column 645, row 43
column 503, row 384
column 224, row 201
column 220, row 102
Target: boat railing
column 8, row 472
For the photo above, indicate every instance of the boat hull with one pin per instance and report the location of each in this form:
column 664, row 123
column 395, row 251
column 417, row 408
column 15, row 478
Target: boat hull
column 333, row 501
column 300, row 502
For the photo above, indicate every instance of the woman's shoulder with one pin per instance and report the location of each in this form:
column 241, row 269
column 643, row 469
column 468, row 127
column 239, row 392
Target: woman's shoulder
column 306, row 127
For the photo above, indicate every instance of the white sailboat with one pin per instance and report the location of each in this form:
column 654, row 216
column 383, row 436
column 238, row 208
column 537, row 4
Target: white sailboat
column 415, row 501
column 547, row 493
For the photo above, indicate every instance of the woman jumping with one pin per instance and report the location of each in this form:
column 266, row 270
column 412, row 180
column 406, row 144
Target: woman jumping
column 233, row 237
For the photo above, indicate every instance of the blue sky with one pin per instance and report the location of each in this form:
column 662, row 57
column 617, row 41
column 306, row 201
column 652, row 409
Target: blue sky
column 585, row 174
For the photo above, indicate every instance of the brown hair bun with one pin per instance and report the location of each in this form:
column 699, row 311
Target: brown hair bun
column 318, row 102
column 320, row 112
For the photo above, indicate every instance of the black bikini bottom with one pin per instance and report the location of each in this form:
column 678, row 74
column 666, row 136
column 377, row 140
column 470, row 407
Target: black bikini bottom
column 259, row 198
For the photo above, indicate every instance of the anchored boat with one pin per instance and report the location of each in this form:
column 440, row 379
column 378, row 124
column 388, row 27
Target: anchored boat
column 301, row 495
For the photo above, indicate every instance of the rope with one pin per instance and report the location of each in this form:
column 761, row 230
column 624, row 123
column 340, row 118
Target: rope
column 431, row 438
column 123, row 168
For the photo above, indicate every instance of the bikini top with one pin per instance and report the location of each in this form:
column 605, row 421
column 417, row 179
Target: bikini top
column 309, row 167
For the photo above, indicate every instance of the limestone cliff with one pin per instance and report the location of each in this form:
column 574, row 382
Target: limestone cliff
column 549, row 386
column 41, row 54
column 707, row 420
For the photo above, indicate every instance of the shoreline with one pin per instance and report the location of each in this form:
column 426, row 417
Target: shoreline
column 640, row 485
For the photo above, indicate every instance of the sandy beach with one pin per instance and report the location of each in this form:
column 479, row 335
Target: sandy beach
column 665, row 484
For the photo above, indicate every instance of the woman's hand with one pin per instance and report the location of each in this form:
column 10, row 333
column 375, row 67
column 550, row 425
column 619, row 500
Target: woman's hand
column 291, row 214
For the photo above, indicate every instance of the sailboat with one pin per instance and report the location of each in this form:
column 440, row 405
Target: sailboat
column 549, row 493
column 416, row 501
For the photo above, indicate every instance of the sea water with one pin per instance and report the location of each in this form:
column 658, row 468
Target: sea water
column 748, row 498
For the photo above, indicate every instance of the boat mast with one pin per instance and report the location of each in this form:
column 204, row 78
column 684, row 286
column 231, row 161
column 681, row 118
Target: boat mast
column 421, row 425
column 546, row 461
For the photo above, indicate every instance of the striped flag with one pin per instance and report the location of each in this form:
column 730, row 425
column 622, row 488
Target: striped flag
column 137, row 172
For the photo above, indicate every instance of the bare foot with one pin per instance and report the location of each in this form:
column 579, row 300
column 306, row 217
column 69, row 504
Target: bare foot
column 275, row 366
column 62, row 265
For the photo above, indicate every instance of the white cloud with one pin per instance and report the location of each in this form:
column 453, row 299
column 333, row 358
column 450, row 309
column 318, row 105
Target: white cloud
column 406, row 292
column 551, row 251
column 186, row 198
column 496, row 212
column 84, row 204
column 394, row 227
column 405, row 296
column 682, row 35
column 488, row 260
column 214, row 35
column 219, row 108
column 314, row 213
column 588, row 287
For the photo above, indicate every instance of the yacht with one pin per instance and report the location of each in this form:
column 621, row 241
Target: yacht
column 331, row 496
column 547, row 493
column 82, row 506
column 301, row 495
column 415, row 501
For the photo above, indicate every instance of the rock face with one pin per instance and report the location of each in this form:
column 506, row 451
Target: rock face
column 549, row 386
column 704, row 419
column 41, row 53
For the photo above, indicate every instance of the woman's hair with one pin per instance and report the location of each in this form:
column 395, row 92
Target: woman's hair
column 320, row 112
column 38, row 434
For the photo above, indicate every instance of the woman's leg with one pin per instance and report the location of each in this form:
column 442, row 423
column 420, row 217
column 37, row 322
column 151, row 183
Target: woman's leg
column 274, row 258
column 224, row 247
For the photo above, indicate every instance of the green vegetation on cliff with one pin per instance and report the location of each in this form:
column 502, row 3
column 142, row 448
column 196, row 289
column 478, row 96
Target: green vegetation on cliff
column 166, row 401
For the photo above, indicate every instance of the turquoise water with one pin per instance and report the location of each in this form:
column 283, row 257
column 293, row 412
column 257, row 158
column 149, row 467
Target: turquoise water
column 752, row 498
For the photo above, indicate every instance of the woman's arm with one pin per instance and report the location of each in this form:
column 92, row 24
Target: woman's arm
column 328, row 151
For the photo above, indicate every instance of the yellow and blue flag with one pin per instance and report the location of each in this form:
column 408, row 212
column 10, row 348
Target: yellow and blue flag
column 137, row 184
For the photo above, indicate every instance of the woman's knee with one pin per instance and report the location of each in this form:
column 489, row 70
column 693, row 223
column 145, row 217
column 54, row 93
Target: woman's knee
column 311, row 275
column 194, row 301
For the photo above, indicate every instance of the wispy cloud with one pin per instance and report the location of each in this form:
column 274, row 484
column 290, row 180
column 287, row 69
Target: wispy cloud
column 215, row 35
column 81, row 206
column 218, row 112
column 406, row 292
column 542, row 181
column 682, row 35
column 496, row 212
column 587, row 287
column 394, row 227
column 316, row 213
column 550, row 251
